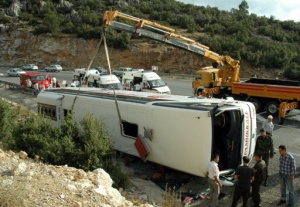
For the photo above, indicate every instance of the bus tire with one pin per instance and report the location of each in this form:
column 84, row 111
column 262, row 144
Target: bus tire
column 272, row 108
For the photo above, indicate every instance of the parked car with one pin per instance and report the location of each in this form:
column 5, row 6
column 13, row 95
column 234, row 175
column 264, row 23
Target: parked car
column 54, row 68
column 15, row 72
column 101, row 69
column 30, row 67
column 120, row 71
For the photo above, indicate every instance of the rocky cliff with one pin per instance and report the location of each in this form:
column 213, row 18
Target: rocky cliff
column 21, row 47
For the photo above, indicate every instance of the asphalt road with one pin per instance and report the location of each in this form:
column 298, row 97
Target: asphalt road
column 178, row 87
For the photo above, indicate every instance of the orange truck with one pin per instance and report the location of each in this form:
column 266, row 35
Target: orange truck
column 35, row 77
column 274, row 96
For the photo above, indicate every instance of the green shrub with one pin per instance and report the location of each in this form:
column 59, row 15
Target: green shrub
column 114, row 170
column 89, row 148
column 292, row 71
column 4, row 19
column 25, row 16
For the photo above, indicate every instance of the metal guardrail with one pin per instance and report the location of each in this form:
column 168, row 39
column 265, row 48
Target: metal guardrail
column 9, row 85
column 6, row 84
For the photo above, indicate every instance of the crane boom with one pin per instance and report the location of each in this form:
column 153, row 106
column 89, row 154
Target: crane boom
column 229, row 71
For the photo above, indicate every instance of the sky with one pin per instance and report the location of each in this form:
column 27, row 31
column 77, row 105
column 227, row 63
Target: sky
column 280, row 9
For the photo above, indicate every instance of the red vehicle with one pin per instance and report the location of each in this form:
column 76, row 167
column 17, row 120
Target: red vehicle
column 35, row 77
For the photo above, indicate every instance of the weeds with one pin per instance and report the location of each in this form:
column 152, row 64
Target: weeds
column 171, row 198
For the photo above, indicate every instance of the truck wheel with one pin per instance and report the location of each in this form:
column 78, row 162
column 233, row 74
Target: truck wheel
column 256, row 104
column 272, row 108
column 199, row 92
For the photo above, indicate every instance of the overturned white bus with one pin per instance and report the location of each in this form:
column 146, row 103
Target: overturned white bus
column 179, row 132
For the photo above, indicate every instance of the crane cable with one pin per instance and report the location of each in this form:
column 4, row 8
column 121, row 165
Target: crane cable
column 103, row 38
column 91, row 62
column 109, row 67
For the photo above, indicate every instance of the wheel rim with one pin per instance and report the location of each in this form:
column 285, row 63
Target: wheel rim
column 272, row 108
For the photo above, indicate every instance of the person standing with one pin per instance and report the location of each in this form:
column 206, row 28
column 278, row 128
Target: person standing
column 36, row 88
column 244, row 176
column 268, row 125
column 138, row 87
column 287, row 171
column 259, row 177
column 29, row 83
column 264, row 147
column 214, row 180
column 54, row 82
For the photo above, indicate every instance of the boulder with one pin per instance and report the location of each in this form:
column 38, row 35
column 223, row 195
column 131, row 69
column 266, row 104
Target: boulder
column 23, row 155
column 19, row 169
column 14, row 9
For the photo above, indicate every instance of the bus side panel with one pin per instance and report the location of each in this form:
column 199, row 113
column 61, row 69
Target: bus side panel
column 182, row 139
column 105, row 110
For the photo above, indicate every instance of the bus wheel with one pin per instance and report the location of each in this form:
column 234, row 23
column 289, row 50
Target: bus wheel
column 256, row 104
column 272, row 108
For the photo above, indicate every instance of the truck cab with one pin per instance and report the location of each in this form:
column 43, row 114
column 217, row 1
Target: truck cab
column 35, row 77
column 149, row 81
column 104, row 81
column 206, row 77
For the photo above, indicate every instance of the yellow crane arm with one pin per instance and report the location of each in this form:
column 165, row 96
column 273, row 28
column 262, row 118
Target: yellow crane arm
column 229, row 71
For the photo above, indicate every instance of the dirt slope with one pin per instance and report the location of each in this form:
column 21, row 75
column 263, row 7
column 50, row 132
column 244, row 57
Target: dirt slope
column 21, row 47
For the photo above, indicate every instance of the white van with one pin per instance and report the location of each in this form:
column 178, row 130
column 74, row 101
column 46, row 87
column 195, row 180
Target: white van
column 149, row 81
column 104, row 81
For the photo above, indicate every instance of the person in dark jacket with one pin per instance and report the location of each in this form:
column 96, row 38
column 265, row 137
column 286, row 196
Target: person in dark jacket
column 264, row 147
column 244, row 176
column 259, row 177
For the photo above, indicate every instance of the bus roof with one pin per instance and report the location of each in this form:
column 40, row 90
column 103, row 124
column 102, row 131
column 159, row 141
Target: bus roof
column 141, row 97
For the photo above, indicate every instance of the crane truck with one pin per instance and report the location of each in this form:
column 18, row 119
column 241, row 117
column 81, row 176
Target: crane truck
column 223, row 78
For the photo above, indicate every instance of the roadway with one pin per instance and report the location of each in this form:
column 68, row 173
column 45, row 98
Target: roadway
column 178, row 87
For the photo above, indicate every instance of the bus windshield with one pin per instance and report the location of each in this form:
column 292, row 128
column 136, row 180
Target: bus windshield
column 156, row 83
column 39, row 77
column 117, row 86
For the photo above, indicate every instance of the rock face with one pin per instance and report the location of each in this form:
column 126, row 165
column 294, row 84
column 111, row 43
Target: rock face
column 19, row 48
column 14, row 9
column 25, row 183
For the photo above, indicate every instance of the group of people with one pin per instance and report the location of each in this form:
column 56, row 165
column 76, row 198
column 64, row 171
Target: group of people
column 53, row 83
column 249, row 180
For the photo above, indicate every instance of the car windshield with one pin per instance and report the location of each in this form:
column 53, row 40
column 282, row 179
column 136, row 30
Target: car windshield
column 156, row 83
column 18, row 70
column 39, row 77
column 117, row 86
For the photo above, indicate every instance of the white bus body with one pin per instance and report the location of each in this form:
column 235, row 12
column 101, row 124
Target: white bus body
column 179, row 132
column 151, row 82
column 104, row 81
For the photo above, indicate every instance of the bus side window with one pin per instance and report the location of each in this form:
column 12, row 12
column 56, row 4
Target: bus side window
column 48, row 110
column 129, row 129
